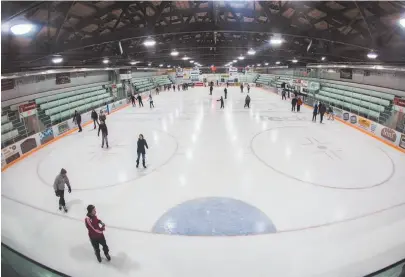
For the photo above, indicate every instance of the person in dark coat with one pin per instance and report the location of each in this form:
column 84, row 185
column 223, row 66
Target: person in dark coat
column 133, row 100
column 247, row 102
column 225, row 92
column 78, row 119
column 174, row 88
column 96, row 228
column 59, row 188
column 141, row 144
column 283, row 95
column 140, row 103
column 102, row 117
column 94, row 116
column 222, row 102
column 227, row 84
column 322, row 110
column 293, row 104
column 248, row 87
column 241, row 88
column 211, row 89
column 315, row 112
column 104, row 133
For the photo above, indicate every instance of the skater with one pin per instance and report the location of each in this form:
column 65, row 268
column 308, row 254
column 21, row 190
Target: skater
column 241, row 88
column 222, row 102
column 151, row 101
column 102, row 117
column 299, row 103
column 59, row 188
column 133, row 100
column 178, row 87
column 141, row 144
column 225, row 92
column 247, row 102
column 331, row 115
column 283, row 95
column 217, row 83
column 107, row 108
column 96, row 233
column 322, row 110
column 94, row 116
column 140, row 103
column 174, row 88
column 293, row 104
column 104, row 133
column 248, row 87
column 157, row 91
column 315, row 112
column 211, row 89
column 78, row 119
column 227, row 84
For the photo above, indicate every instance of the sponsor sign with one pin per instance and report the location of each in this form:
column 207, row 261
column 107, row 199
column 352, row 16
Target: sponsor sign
column 46, row 135
column 346, row 116
column 373, row 127
column 346, row 74
column 353, row 119
column 11, row 153
column 389, row 134
column 338, row 112
column 7, row 84
column 27, row 107
column 399, row 101
column 402, row 141
column 3, row 160
column 63, row 128
column 28, row 144
column 62, row 78
column 364, row 123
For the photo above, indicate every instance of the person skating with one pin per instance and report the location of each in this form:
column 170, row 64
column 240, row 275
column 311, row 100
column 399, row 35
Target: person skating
column 133, row 100
column 157, row 91
column 211, row 89
column 104, row 133
column 94, row 116
column 96, row 233
column 140, row 103
column 107, row 108
column 247, row 102
column 322, row 110
column 283, row 95
column 178, row 87
column 241, row 88
column 222, row 102
column 102, row 117
column 78, row 119
column 299, row 103
column 225, row 92
column 151, row 101
column 174, row 88
column 331, row 115
column 248, row 87
column 315, row 112
column 59, row 188
column 141, row 144
column 293, row 104
column 227, row 84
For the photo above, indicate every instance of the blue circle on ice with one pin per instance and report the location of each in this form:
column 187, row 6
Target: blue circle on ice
column 214, row 216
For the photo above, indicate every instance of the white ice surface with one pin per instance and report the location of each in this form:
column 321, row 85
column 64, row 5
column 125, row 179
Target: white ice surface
column 335, row 195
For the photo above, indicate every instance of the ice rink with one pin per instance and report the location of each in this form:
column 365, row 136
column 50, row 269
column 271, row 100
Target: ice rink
column 234, row 192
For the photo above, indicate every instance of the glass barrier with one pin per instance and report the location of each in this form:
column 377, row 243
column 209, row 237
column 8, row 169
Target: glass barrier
column 14, row 264
column 395, row 270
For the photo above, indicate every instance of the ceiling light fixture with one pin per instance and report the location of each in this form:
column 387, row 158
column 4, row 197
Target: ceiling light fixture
column 149, row 42
column 234, row 61
column 323, row 58
column 168, row 65
column 251, row 52
column 21, row 29
column 277, row 62
column 57, row 59
column 149, row 64
column 372, row 55
column 191, row 61
column 134, row 62
column 106, row 61
column 266, row 64
column 402, row 22
column 259, row 64
column 160, row 65
column 185, row 58
column 276, row 41
column 241, row 57
column 174, row 53
column 295, row 61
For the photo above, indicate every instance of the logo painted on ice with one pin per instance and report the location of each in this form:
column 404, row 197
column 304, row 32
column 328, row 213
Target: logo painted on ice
column 353, row 119
column 346, row 116
column 389, row 134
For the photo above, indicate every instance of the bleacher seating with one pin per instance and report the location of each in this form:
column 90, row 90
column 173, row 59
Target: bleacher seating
column 143, row 84
column 7, row 131
column 162, row 80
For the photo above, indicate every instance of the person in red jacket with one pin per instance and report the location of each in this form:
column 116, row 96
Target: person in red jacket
column 96, row 228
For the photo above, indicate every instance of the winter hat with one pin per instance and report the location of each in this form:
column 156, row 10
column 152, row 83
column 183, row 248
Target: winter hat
column 90, row 208
column 63, row 171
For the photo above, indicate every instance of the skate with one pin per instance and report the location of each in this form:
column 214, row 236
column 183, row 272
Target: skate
column 102, row 146
column 144, row 166
column 137, row 164
column 65, row 209
column 98, row 258
column 107, row 145
column 60, row 208
column 108, row 257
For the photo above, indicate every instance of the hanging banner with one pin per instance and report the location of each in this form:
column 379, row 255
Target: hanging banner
column 346, row 74
column 62, row 78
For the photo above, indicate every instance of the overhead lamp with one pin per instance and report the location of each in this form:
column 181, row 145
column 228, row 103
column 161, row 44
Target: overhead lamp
column 372, row 55
column 149, row 64
column 149, row 42
column 134, row 62
column 266, row 64
column 174, row 53
column 106, row 61
column 191, row 61
column 259, row 64
column 185, row 58
column 276, row 41
column 323, row 58
column 234, row 61
column 160, row 65
column 295, row 61
column 57, row 59
column 277, row 62
column 168, row 65
column 402, row 22
column 241, row 57
column 21, row 29
column 251, row 52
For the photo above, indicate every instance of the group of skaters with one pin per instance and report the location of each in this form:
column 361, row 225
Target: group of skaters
column 183, row 86
column 320, row 108
column 247, row 99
